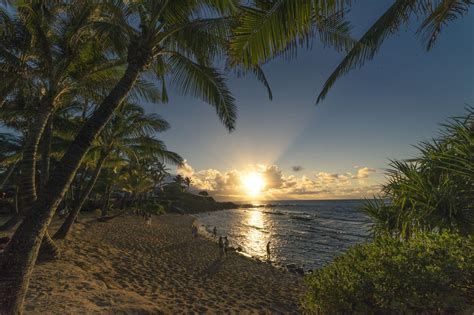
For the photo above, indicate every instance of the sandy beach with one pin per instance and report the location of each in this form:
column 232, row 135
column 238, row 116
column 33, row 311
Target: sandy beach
column 124, row 266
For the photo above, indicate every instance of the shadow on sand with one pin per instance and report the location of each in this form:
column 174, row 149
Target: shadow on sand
column 213, row 268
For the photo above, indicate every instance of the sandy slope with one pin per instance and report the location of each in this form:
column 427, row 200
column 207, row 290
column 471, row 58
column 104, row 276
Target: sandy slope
column 123, row 266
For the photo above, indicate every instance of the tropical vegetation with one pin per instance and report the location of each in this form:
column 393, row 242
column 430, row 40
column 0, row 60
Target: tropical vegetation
column 273, row 29
column 422, row 256
column 430, row 274
column 73, row 75
column 434, row 191
column 94, row 55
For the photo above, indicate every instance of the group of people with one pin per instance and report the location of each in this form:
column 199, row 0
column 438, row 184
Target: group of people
column 145, row 215
column 224, row 242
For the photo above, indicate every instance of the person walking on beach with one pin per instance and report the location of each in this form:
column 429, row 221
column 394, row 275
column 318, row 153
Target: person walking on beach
column 214, row 231
column 194, row 231
column 226, row 245
column 148, row 219
column 268, row 250
column 221, row 246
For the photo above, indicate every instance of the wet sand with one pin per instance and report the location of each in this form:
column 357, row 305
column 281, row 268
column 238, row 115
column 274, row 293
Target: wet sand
column 123, row 266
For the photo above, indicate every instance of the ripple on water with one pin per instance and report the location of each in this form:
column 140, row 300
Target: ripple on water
column 306, row 233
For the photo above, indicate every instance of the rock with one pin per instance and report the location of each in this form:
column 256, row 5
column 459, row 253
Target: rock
column 295, row 269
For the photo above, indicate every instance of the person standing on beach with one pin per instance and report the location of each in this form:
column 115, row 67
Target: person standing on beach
column 194, row 231
column 148, row 219
column 226, row 245
column 214, row 231
column 268, row 250
column 221, row 246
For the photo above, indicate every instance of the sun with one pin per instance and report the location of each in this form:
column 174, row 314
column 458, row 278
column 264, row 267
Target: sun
column 253, row 183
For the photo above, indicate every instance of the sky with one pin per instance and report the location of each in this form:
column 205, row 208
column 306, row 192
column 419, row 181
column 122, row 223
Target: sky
column 341, row 147
column 291, row 148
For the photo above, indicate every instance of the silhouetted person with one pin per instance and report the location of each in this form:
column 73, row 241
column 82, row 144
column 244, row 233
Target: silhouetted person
column 221, row 245
column 214, row 231
column 226, row 245
column 268, row 250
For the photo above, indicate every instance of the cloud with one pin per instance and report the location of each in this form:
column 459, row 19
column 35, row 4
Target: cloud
column 364, row 172
column 228, row 185
column 185, row 169
column 273, row 177
column 297, row 168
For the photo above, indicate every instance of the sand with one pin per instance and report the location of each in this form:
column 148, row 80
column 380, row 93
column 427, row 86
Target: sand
column 125, row 267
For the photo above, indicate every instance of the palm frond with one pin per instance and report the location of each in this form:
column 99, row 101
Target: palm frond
column 206, row 83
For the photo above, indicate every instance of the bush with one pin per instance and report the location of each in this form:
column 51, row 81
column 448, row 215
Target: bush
column 203, row 193
column 434, row 191
column 430, row 273
column 154, row 208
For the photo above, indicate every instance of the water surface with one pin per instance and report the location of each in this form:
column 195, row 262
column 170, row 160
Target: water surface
column 305, row 233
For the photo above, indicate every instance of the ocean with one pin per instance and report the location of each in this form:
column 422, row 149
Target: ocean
column 307, row 234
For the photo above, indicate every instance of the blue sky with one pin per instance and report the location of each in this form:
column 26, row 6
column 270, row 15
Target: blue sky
column 342, row 145
column 371, row 115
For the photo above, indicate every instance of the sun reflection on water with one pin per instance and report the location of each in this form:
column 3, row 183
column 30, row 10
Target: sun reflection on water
column 256, row 236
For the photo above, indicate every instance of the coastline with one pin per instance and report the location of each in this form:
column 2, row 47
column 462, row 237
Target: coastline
column 123, row 266
column 206, row 234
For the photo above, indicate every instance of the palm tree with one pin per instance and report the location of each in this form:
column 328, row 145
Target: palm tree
column 187, row 182
column 172, row 40
column 270, row 29
column 55, row 59
column 128, row 134
column 179, row 181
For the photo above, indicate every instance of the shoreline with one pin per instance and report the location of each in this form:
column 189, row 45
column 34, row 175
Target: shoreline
column 290, row 268
column 205, row 233
column 123, row 266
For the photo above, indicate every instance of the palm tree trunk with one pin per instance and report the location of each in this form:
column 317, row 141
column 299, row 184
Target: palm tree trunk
column 16, row 264
column 71, row 218
column 48, row 249
column 104, row 210
column 45, row 153
column 27, row 184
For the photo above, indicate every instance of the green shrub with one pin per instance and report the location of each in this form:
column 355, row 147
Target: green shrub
column 430, row 273
column 434, row 191
column 154, row 208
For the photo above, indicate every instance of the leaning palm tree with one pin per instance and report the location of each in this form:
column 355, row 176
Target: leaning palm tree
column 271, row 29
column 130, row 133
column 57, row 55
column 173, row 39
column 68, row 65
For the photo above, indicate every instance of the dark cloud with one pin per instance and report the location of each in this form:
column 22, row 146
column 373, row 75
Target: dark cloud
column 297, row 168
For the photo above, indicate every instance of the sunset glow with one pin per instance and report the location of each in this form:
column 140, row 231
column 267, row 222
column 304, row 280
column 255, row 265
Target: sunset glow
column 253, row 183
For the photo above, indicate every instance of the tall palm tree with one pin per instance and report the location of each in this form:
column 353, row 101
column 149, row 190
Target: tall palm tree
column 54, row 60
column 129, row 134
column 173, row 40
column 271, row 29
column 69, row 63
